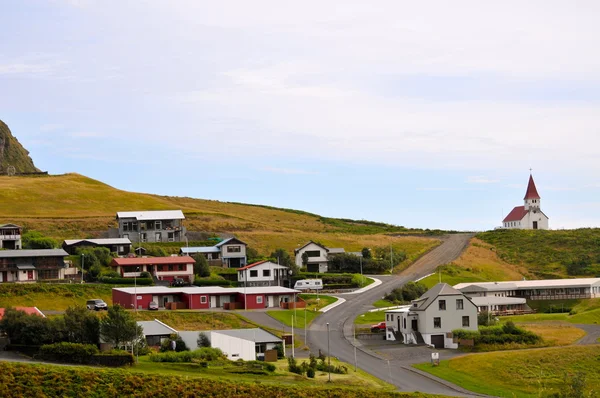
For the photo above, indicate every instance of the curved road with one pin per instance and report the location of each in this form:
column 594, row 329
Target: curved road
column 341, row 322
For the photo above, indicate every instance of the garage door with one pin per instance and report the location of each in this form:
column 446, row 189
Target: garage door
column 437, row 340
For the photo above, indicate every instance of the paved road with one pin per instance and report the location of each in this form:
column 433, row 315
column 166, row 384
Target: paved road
column 592, row 336
column 340, row 336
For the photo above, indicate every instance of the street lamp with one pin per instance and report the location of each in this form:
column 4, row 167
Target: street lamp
column 328, row 354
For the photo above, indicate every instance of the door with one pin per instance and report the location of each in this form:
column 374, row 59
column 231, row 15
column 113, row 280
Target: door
column 271, row 301
column 29, row 275
column 415, row 325
column 535, row 225
column 437, row 340
column 213, row 301
column 4, row 276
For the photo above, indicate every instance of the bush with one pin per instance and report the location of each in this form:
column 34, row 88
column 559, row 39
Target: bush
column 410, row 291
column 115, row 358
column 310, row 373
column 68, row 352
column 166, row 345
column 201, row 354
column 294, row 367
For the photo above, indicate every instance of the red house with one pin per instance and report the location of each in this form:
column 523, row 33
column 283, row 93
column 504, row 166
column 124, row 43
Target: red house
column 163, row 268
column 205, row 297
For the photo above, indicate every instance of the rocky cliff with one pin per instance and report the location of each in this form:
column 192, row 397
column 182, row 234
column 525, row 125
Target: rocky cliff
column 13, row 154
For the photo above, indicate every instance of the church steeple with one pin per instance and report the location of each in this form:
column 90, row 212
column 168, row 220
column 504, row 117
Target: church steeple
column 532, row 197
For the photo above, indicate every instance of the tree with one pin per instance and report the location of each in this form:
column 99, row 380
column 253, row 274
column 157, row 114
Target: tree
column 31, row 329
column 366, row 253
column 203, row 340
column 119, row 327
column 82, row 326
column 201, row 267
column 282, row 257
column 304, row 259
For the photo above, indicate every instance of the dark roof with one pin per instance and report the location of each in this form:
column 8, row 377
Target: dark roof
column 516, row 214
column 33, row 253
column 229, row 242
column 106, row 241
column 441, row 289
column 9, row 226
column 297, row 250
column 531, row 192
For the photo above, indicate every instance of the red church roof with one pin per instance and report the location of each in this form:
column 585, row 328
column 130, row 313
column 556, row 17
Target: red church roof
column 532, row 192
column 516, row 214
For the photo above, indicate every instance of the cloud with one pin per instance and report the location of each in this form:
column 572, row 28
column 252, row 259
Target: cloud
column 480, row 180
column 86, row 134
column 287, row 171
column 36, row 65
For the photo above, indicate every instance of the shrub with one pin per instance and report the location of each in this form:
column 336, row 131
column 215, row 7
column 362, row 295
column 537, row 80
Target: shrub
column 114, row 358
column 203, row 340
column 310, row 373
column 201, row 354
column 294, row 367
column 166, row 345
column 68, row 352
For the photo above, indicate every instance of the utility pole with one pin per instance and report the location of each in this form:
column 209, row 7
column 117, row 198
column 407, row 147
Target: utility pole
column 82, row 266
column 391, row 259
column 328, row 354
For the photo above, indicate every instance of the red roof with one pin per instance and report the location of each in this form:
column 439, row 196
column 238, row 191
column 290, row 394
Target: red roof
column 516, row 214
column 27, row 310
column 252, row 265
column 532, row 192
column 152, row 260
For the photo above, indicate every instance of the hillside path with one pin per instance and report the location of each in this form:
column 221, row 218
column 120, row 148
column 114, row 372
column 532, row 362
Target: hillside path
column 592, row 336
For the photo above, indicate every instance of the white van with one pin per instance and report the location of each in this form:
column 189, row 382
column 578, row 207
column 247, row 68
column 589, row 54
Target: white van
column 309, row 284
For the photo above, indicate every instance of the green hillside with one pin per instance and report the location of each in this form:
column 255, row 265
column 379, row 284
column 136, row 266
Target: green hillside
column 12, row 153
column 73, row 206
column 549, row 254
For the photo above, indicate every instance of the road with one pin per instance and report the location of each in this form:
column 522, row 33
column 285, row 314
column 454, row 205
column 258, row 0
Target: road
column 341, row 321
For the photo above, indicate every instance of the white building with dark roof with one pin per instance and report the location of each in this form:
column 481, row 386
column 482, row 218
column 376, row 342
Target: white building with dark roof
column 151, row 226
column 229, row 253
column 530, row 215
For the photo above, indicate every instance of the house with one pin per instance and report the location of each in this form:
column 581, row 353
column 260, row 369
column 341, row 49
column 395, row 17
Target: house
column 502, row 305
column 156, row 332
column 530, row 215
column 121, row 246
column 246, row 344
column 432, row 317
column 10, row 237
column 27, row 310
column 205, row 298
column 264, row 273
column 548, row 289
column 151, row 226
column 161, row 268
column 32, row 265
column 229, row 253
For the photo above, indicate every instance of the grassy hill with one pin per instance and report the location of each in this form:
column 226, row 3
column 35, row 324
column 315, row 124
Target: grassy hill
column 12, row 153
column 549, row 254
column 75, row 206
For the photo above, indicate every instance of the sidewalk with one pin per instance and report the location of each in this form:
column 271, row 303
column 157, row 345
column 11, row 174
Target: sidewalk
column 376, row 283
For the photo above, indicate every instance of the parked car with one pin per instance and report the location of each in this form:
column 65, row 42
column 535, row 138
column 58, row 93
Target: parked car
column 380, row 327
column 178, row 282
column 96, row 305
column 153, row 306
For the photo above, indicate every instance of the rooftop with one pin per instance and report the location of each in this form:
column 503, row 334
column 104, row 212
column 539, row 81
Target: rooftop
column 257, row 335
column 537, row 284
column 107, row 241
column 33, row 253
column 206, row 290
column 200, row 249
column 152, row 215
column 152, row 260
column 264, row 262
column 156, row 328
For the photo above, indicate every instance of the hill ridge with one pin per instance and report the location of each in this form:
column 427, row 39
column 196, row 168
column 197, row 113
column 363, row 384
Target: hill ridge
column 12, row 153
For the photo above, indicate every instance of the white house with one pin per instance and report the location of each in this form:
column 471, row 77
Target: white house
column 10, row 237
column 230, row 253
column 264, row 273
column 530, row 215
column 317, row 256
column 246, row 344
column 432, row 318
column 151, row 226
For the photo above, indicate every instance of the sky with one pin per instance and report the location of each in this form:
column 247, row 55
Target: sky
column 421, row 114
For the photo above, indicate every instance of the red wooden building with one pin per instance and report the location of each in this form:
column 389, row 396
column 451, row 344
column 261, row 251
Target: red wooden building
column 163, row 268
column 205, row 297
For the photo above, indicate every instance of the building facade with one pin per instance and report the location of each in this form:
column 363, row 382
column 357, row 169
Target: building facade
column 120, row 246
column 151, row 226
column 432, row 318
column 10, row 237
column 264, row 273
column 230, row 253
column 32, row 265
column 161, row 268
column 530, row 215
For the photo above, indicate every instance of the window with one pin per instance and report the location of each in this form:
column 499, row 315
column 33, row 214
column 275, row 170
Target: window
column 437, row 322
column 459, row 304
column 158, row 225
column 259, row 299
column 48, row 274
column 313, row 253
column 143, row 237
column 170, row 267
column 171, row 237
column 442, row 305
column 466, row 322
column 234, row 249
column 181, row 267
column 203, row 300
column 159, row 268
column 253, row 273
column 266, row 272
column 404, row 322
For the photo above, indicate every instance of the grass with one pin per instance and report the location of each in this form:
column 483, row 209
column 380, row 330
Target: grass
column 478, row 263
column 555, row 333
column 370, row 318
column 194, row 320
column 52, row 297
column 74, row 206
column 383, row 304
column 586, row 312
column 300, row 315
column 523, row 373
column 546, row 253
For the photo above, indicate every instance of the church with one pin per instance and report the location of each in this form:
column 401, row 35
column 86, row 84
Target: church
column 529, row 216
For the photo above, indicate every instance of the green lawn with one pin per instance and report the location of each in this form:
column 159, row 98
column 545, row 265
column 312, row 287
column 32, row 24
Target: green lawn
column 383, row 304
column 55, row 297
column 370, row 318
column 587, row 311
column 523, row 373
column 312, row 310
column 196, row 320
